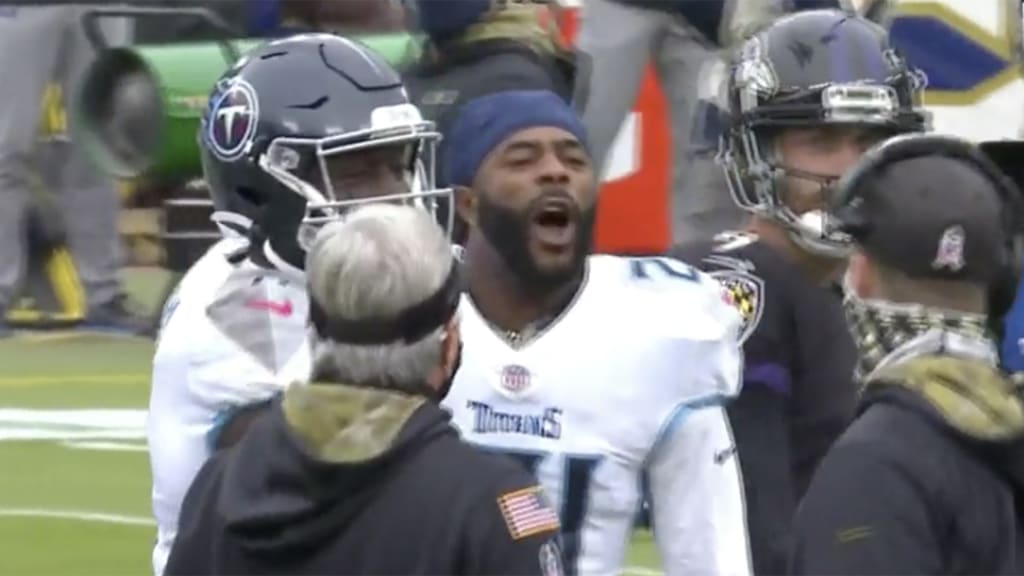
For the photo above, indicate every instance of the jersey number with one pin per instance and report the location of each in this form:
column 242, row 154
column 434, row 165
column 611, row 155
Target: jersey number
column 662, row 267
column 577, row 471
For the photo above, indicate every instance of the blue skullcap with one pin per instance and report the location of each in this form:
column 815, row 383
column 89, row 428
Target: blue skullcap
column 485, row 122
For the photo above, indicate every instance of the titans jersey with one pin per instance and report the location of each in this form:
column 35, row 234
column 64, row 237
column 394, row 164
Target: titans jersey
column 629, row 381
column 232, row 336
column 798, row 391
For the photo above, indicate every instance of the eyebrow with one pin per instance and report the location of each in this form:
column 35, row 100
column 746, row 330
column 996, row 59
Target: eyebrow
column 532, row 145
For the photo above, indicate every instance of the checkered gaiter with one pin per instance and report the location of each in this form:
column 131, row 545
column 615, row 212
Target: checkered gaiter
column 879, row 328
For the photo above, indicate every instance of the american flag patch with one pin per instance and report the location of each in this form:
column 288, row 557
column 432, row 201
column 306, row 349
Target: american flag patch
column 527, row 513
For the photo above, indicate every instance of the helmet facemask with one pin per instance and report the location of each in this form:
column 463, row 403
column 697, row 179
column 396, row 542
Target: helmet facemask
column 757, row 176
column 304, row 165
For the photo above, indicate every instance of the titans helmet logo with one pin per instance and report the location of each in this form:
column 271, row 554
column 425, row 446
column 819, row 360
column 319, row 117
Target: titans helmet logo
column 231, row 124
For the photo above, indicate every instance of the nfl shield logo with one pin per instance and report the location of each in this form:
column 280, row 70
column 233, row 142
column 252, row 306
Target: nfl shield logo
column 515, row 378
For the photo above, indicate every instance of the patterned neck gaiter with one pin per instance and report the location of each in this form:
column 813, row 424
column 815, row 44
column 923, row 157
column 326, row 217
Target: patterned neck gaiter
column 885, row 331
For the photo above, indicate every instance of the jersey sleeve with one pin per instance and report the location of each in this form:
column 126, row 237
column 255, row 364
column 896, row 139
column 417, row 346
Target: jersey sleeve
column 259, row 345
column 761, row 417
column 697, row 495
column 690, row 334
column 692, row 362
column 513, row 531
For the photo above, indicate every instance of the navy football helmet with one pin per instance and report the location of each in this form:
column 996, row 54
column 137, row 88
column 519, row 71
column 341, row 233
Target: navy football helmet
column 300, row 129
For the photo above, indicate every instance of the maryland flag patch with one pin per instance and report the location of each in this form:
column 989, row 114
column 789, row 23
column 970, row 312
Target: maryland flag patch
column 526, row 513
column 746, row 293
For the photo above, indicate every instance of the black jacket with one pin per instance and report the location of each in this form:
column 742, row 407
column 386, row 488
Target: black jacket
column 923, row 482
column 341, row 480
column 798, row 392
column 478, row 68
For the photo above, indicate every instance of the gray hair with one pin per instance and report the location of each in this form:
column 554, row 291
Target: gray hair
column 379, row 260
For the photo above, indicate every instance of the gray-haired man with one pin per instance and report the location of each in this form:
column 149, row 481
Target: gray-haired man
column 360, row 472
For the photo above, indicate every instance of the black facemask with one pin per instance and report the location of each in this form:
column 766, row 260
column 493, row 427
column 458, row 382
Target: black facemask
column 508, row 231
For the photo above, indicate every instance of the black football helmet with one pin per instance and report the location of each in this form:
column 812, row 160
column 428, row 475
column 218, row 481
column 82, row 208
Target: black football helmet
column 280, row 119
column 806, row 69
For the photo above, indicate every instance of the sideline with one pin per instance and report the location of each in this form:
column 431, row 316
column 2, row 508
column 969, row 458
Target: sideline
column 638, row 571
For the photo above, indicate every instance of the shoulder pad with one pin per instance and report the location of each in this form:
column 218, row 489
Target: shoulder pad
column 745, row 292
column 727, row 250
column 263, row 314
column 729, row 241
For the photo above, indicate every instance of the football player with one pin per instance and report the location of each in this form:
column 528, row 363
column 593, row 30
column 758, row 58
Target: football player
column 591, row 370
column 310, row 117
column 807, row 96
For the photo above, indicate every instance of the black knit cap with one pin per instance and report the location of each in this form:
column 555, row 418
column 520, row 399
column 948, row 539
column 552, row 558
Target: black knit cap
column 934, row 216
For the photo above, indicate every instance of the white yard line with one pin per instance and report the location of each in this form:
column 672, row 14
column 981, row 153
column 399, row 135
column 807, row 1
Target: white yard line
column 81, row 515
column 71, row 379
column 638, row 571
column 107, row 446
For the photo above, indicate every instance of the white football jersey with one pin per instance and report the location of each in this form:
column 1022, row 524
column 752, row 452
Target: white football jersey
column 629, row 381
column 232, row 336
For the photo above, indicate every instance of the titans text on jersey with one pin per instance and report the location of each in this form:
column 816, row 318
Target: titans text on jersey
column 487, row 420
column 628, row 382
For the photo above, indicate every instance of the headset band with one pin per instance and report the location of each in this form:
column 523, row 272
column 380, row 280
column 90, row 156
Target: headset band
column 410, row 325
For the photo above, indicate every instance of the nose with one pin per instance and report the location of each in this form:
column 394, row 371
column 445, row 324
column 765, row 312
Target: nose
column 846, row 156
column 552, row 170
column 377, row 179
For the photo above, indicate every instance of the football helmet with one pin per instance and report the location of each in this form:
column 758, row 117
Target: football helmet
column 807, row 69
column 290, row 134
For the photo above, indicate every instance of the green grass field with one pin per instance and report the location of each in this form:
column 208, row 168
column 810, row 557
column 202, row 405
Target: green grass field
column 74, row 477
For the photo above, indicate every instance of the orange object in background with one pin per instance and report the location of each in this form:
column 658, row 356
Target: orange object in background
column 633, row 214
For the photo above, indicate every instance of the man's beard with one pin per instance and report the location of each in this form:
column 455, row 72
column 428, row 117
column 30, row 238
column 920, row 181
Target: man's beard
column 508, row 231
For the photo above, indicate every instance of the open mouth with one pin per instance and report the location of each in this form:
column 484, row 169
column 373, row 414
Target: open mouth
column 554, row 223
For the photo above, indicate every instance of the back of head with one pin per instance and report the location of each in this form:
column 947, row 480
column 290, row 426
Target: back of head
column 380, row 261
column 932, row 208
column 938, row 229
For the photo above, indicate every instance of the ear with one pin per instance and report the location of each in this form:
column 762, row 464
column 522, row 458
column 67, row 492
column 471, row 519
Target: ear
column 466, row 203
column 451, row 343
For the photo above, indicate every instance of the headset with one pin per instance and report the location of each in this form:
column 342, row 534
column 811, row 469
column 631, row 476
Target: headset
column 861, row 180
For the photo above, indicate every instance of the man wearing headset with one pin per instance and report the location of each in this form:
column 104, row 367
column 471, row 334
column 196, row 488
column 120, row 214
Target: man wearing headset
column 923, row 481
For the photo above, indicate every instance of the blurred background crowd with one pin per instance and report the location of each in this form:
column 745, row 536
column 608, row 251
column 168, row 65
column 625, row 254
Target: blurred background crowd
column 86, row 188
